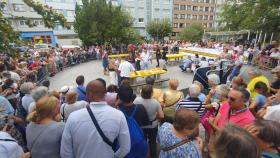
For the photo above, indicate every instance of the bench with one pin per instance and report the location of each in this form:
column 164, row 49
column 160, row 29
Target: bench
column 158, row 83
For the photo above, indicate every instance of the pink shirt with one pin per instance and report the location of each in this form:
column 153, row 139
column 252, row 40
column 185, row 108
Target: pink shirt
column 241, row 118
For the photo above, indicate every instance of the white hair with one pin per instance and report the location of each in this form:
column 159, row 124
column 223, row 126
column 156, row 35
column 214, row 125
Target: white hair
column 194, row 90
column 39, row 92
column 223, row 89
column 26, row 87
column 214, row 78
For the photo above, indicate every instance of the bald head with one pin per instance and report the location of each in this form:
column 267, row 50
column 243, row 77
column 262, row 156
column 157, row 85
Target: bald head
column 95, row 91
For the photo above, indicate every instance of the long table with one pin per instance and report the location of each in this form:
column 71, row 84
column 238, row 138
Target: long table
column 145, row 73
column 176, row 57
column 207, row 52
column 118, row 56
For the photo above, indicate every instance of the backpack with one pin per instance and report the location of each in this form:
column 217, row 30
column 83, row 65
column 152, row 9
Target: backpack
column 139, row 145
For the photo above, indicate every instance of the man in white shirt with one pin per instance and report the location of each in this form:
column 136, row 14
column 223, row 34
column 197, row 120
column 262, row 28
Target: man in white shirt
column 145, row 58
column 9, row 147
column 81, row 139
column 125, row 68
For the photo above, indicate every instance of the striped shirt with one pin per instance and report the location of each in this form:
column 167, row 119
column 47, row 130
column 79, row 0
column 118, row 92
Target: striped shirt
column 192, row 104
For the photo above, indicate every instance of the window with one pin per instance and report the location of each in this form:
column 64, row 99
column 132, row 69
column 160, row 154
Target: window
column 195, row 8
column 210, row 25
column 167, row 1
column 156, row 1
column 201, row 1
column 175, row 16
column 142, row 8
column 70, row 13
column 189, row 7
column 205, row 17
column 69, row 1
column 176, row 6
column 189, row 16
column 60, row 11
column 141, row 20
column 212, row 9
column 212, row 1
column 173, row 33
column 182, row 16
column 206, row 9
column 22, row 22
column 211, row 17
column 201, row 8
column 19, row 7
column 175, row 25
column 156, row 9
column 166, row 11
column 207, row 1
column 36, row 22
column 182, row 7
column 194, row 17
column 41, row 22
column 200, row 17
column 181, row 25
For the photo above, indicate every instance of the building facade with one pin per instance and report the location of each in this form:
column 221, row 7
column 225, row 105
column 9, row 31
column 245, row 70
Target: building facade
column 65, row 36
column 187, row 12
column 15, row 10
column 144, row 11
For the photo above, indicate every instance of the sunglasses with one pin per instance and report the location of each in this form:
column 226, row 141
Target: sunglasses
column 232, row 99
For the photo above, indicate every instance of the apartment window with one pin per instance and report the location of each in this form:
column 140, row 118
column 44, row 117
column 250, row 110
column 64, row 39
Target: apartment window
column 212, row 1
column 206, row 9
column 182, row 7
column 195, row 8
column 189, row 7
column 201, row 8
column 166, row 11
column 41, row 22
column 189, row 16
column 142, row 8
column 194, row 17
column 210, row 25
column 19, row 7
column 207, row 1
column 175, row 16
column 211, row 17
column 156, row 1
column 141, row 20
column 181, row 25
column 212, row 9
column 182, row 16
column 22, row 22
column 176, row 6
column 205, row 17
column 175, row 25
column 200, row 17
column 156, row 9
column 70, row 13
column 167, row 1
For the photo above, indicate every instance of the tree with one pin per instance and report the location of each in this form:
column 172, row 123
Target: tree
column 159, row 29
column 192, row 32
column 252, row 15
column 98, row 22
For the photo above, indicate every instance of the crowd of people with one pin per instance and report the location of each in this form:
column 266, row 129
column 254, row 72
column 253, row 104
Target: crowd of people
column 100, row 119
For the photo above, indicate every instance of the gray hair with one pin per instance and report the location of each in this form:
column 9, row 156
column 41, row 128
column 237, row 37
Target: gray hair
column 255, row 72
column 39, row 92
column 26, row 87
column 194, row 90
column 215, row 78
column 223, row 89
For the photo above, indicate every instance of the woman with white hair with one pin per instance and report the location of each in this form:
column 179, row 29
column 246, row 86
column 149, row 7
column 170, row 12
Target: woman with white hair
column 27, row 99
column 37, row 94
column 213, row 81
column 255, row 77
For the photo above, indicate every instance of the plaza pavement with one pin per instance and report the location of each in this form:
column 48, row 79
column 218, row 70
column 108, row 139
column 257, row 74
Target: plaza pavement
column 93, row 69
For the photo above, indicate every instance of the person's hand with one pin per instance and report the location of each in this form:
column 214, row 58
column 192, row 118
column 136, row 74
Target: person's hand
column 2, row 109
column 199, row 143
column 253, row 130
column 261, row 113
column 26, row 155
column 7, row 92
column 212, row 91
column 270, row 100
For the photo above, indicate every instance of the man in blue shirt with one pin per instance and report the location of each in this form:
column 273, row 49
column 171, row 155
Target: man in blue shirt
column 187, row 63
column 81, row 89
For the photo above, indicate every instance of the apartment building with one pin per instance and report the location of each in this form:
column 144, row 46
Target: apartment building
column 144, row 11
column 186, row 12
column 15, row 10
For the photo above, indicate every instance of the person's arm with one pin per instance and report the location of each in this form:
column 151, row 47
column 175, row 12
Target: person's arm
column 209, row 96
column 253, row 105
column 123, row 139
column 160, row 114
column 66, row 150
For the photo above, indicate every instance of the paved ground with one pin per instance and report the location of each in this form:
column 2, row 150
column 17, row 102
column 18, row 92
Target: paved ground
column 93, row 69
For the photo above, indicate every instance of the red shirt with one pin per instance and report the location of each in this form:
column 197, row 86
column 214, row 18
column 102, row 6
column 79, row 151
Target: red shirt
column 241, row 118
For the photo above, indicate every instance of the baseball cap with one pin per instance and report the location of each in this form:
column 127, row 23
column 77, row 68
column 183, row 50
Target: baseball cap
column 276, row 69
column 64, row 89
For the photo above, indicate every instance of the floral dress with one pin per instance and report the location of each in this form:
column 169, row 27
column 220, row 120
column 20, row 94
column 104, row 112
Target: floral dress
column 167, row 138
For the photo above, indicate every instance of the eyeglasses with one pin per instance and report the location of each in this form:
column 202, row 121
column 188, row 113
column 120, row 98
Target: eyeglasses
column 231, row 99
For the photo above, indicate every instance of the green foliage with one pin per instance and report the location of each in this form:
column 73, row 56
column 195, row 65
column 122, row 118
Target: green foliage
column 159, row 29
column 252, row 14
column 192, row 32
column 99, row 22
column 50, row 17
